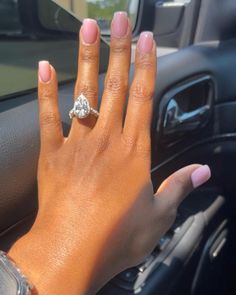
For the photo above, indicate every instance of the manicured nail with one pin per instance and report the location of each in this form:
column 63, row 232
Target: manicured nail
column 89, row 30
column 44, row 71
column 145, row 42
column 119, row 26
column 200, row 175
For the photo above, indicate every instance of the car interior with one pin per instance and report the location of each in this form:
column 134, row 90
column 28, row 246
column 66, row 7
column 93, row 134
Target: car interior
column 194, row 121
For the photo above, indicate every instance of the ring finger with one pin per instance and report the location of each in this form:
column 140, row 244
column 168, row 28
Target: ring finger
column 87, row 77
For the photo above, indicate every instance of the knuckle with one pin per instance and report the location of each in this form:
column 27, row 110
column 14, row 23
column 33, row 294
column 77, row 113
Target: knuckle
column 143, row 150
column 47, row 162
column 145, row 63
column 88, row 55
column 49, row 118
column 141, row 92
column 102, row 143
column 129, row 143
column 115, row 83
column 120, row 48
column 87, row 89
column 140, row 148
column 46, row 94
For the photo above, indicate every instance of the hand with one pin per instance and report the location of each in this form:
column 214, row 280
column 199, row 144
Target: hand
column 98, row 214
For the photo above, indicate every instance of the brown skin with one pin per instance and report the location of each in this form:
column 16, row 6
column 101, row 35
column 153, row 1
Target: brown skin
column 98, row 214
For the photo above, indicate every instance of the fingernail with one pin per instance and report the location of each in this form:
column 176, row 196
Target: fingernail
column 200, row 175
column 44, row 71
column 120, row 23
column 145, row 42
column 89, row 30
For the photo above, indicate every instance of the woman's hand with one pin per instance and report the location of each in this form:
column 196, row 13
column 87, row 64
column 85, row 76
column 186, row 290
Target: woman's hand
column 98, row 214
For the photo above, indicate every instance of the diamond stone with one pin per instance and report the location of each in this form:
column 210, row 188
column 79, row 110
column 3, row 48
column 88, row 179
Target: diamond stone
column 81, row 107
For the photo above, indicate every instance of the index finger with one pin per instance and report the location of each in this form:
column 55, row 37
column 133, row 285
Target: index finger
column 51, row 133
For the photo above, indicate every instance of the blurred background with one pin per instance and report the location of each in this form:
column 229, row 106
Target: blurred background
column 33, row 30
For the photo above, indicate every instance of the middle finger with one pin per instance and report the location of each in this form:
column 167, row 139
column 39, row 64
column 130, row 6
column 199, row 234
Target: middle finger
column 116, row 82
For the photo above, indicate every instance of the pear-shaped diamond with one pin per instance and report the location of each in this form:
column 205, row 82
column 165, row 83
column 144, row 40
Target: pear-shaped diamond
column 81, row 107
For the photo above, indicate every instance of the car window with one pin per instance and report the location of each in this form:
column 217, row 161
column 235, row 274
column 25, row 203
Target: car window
column 101, row 10
column 22, row 46
column 31, row 31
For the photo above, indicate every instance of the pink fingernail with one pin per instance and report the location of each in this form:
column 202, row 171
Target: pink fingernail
column 145, row 42
column 200, row 175
column 120, row 23
column 44, row 71
column 89, row 30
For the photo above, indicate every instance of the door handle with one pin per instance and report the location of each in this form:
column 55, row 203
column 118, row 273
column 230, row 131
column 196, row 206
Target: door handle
column 178, row 121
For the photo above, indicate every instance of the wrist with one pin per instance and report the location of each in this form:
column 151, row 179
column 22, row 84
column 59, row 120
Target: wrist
column 50, row 267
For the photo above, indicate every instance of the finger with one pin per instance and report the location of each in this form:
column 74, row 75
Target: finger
column 88, row 68
column 116, row 82
column 177, row 186
column 50, row 122
column 139, row 111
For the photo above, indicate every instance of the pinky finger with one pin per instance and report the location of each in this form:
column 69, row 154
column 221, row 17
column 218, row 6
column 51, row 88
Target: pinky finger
column 51, row 134
column 139, row 111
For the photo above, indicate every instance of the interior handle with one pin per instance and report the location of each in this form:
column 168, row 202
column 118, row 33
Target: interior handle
column 176, row 120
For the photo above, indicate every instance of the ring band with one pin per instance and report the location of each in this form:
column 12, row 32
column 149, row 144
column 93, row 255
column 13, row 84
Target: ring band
column 82, row 108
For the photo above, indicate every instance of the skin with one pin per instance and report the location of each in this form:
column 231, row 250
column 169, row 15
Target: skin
column 98, row 214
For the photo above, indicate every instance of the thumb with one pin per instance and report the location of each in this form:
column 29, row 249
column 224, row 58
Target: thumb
column 177, row 186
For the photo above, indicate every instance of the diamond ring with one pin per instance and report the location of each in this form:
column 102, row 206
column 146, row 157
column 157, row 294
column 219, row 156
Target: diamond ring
column 82, row 108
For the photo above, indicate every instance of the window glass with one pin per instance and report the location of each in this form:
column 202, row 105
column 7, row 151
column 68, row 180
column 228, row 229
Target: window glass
column 24, row 40
column 101, row 10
